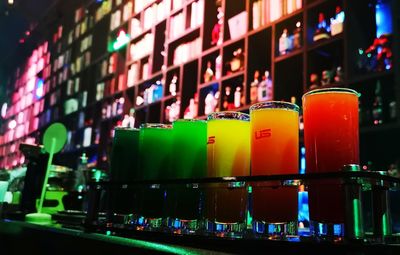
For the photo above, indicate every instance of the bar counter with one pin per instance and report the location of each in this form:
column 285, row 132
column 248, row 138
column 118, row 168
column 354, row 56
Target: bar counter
column 17, row 237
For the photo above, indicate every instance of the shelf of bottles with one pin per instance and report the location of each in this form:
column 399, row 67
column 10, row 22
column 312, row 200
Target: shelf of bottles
column 158, row 61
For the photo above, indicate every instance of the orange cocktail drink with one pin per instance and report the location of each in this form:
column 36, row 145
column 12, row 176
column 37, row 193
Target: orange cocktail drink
column 331, row 141
column 274, row 130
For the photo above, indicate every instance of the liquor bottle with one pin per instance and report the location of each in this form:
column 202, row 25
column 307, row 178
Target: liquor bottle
column 314, row 81
column 172, row 85
column 209, row 103
column 270, row 88
column 216, row 33
column 237, row 97
column 209, row 73
column 262, row 90
column 225, row 104
column 237, row 61
column 377, row 106
column 218, row 67
column 322, row 29
column 297, row 36
column 284, row 43
column 254, row 87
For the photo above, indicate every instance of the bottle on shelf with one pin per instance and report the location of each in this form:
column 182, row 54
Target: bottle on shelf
column 129, row 119
column 314, row 81
column 270, row 88
column 172, row 85
column 254, row 87
column 209, row 73
column 216, row 33
column 211, row 102
column 377, row 106
column 284, row 42
column 218, row 67
column 326, row 78
column 172, row 111
column 296, row 41
column 265, row 89
column 322, row 31
column 339, row 75
column 337, row 21
column 237, row 62
column 237, row 97
column 191, row 110
column 225, row 103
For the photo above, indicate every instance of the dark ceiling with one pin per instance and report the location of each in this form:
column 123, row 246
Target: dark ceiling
column 40, row 17
column 15, row 20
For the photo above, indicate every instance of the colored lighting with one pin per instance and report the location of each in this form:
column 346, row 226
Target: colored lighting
column 356, row 215
column 12, row 124
column 122, row 40
column 302, row 160
column 4, row 110
column 39, row 88
column 383, row 17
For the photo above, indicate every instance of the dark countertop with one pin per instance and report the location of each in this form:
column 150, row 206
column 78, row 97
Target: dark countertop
column 19, row 237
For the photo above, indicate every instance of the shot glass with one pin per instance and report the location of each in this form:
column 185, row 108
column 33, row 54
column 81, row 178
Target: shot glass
column 274, row 129
column 331, row 136
column 155, row 147
column 124, row 168
column 228, row 154
column 184, row 203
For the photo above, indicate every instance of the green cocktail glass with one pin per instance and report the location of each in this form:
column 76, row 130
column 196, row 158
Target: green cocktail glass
column 155, row 146
column 184, row 201
column 124, row 168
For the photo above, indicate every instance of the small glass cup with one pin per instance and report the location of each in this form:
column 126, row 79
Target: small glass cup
column 124, row 168
column 184, row 207
column 274, row 129
column 228, row 154
column 331, row 136
column 155, row 146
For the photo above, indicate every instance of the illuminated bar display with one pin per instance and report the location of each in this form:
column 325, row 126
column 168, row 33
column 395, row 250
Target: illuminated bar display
column 235, row 123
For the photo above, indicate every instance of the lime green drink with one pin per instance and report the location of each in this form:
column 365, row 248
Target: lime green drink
column 190, row 150
column 155, row 146
column 190, row 139
column 155, row 151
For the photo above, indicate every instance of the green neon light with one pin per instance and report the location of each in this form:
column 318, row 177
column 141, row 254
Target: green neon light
column 356, row 217
column 385, row 229
column 122, row 40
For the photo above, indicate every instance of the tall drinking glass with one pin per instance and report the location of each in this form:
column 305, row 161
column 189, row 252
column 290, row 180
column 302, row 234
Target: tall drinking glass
column 228, row 154
column 155, row 147
column 331, row 141
column 184, row 203
column 274, row 129
column 124, row 168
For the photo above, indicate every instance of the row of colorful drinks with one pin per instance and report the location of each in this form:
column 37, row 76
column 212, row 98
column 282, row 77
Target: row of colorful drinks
column 266, row 142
